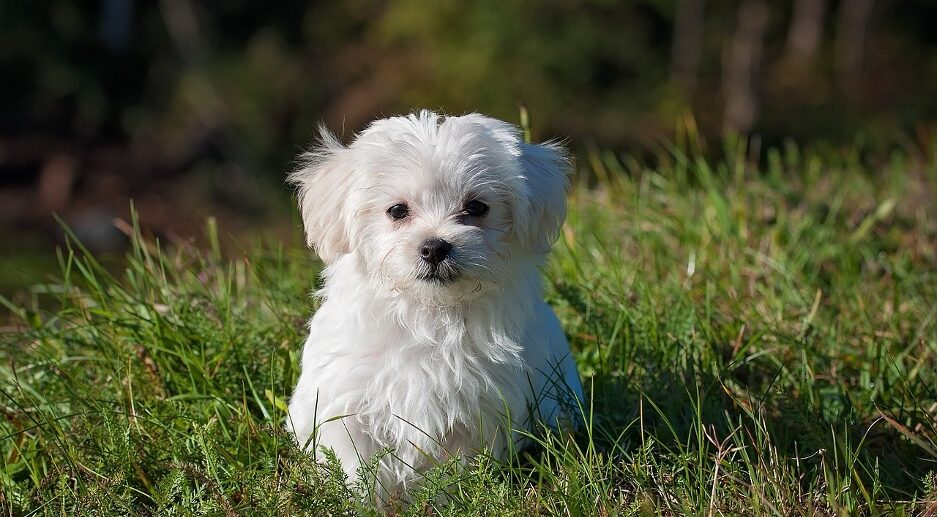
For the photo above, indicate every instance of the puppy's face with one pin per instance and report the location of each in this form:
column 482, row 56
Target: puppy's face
column 440, row 210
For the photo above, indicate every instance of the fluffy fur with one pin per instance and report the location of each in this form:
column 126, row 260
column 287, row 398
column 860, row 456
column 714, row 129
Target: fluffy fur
column 414, row 361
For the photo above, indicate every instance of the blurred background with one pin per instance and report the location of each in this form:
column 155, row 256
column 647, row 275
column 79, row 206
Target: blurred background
column 195, row 108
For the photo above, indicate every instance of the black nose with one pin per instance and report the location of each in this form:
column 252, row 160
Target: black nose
column 434, row 250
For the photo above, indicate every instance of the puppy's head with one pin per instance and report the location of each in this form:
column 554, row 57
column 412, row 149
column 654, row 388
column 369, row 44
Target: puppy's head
column 439, row 210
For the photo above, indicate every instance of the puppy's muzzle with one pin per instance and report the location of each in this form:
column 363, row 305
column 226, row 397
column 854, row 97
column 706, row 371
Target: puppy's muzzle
column 434, row 251
column 439, row 263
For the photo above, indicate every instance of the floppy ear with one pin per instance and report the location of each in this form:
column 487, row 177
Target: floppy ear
column 324, row 183
column 543, row 205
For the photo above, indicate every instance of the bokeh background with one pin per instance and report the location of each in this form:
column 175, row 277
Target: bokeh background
column 196, row 108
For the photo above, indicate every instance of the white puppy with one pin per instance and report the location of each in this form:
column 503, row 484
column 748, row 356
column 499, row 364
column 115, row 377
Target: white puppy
column 433, row 338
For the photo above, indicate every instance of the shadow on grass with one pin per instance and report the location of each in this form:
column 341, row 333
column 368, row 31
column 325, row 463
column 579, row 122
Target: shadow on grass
column 672, row 414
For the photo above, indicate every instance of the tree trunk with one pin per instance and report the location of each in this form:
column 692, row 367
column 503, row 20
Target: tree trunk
column 685, row 50
column 804, row 33
column 741, row 60
column 851, row 34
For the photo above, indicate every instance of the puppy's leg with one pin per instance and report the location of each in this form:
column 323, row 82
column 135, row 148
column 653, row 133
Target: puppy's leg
column 315, row 423
column 348, row 441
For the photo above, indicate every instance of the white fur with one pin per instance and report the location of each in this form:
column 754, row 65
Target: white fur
column 425, row 369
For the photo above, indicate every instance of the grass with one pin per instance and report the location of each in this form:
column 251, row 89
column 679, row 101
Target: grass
column 757, row 340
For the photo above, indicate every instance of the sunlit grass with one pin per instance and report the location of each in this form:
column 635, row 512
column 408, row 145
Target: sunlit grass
column 755, row 340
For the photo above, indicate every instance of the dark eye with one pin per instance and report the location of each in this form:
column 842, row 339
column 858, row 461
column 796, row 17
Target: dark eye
column 476, row 208
column 398, row 211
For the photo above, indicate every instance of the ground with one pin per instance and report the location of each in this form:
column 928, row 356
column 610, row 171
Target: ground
column 756, row 331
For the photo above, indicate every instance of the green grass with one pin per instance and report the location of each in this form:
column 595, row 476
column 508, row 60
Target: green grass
column 756, row 340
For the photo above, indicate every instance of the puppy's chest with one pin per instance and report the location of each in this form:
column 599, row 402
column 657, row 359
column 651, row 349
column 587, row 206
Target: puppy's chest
column 439, row 387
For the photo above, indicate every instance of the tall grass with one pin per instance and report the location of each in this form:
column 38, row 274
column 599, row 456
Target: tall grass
column 755, row 340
